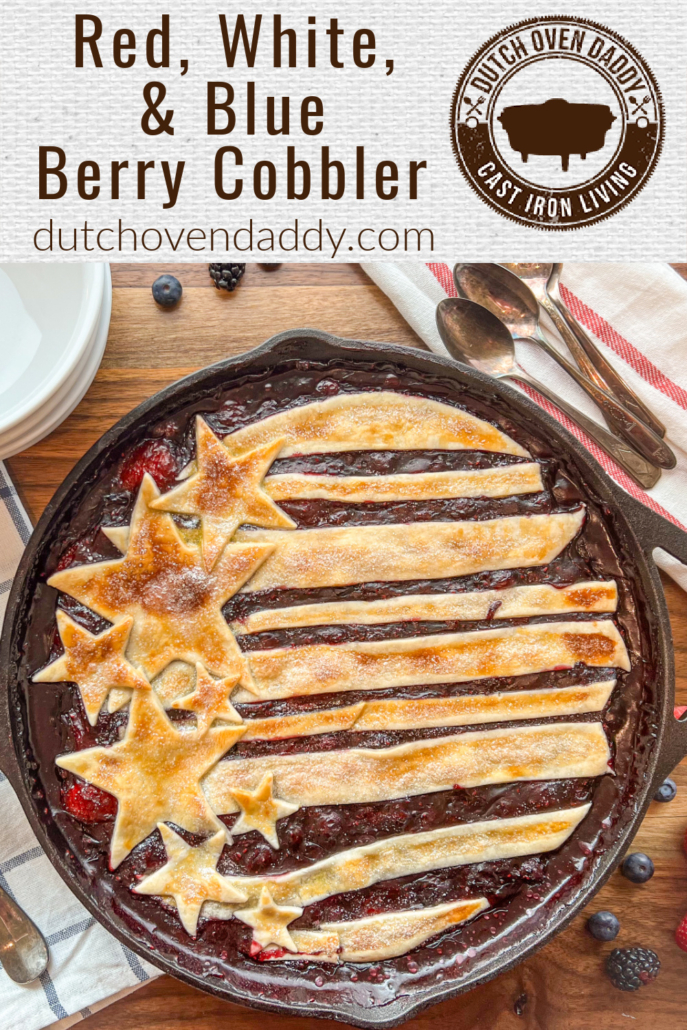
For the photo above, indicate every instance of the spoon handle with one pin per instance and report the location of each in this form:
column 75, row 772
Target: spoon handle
column 642, row 472
column 592, row 361
column 23, row 951
column 652, row 447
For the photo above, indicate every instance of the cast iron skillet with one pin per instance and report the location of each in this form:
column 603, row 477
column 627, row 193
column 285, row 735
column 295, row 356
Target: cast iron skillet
column 637, row 529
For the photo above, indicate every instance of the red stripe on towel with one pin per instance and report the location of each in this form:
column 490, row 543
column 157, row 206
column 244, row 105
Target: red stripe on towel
column 605, row 332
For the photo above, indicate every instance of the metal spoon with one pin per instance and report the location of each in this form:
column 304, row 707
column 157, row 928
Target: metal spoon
column 478, row 338
column 543, row 280
column 23, row 950
column 511, row 300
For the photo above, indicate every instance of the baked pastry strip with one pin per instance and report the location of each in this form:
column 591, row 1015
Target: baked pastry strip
column 333, row 556
column 404, row 714
column 378, row 937
column 511, row 603
column 384, row 421
column 361, row 775
column 409, row 854
column 439, row 658
column 504, row 481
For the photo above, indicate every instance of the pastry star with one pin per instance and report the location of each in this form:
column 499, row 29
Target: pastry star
column 95, row 663
column 162, row 583
column 269, row 921
column 225, row 492
column 190, row 876
column 209, row 701
column 260, row 810
column 154, row 773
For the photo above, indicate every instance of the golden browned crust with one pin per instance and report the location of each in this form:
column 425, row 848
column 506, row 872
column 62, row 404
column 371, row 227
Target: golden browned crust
column 373, row 421
column 154, row 773
column 162, row 583
column 504, row 481
column 225, row 492
column 440, row 658
column 375, row 938
column 309, row 558
column 358, row 775
column 510, row 603
column 413, row 853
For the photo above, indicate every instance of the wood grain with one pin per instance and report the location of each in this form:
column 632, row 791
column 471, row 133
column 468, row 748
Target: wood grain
column 563, row 987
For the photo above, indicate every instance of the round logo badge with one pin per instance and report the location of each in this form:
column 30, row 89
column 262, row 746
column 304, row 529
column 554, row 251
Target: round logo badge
column 557, row 122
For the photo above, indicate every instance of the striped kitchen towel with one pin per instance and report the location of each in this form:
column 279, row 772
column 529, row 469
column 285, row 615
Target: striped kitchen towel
column 87, row 964
column 636, row 313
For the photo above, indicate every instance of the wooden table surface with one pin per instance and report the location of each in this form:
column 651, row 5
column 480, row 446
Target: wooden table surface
column 563, row 987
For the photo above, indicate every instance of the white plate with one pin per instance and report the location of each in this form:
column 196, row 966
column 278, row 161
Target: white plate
column 66, row 398
column 48, row 316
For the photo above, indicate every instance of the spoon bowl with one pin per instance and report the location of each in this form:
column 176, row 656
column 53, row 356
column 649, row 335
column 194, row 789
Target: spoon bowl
column 510, row 299
column 474, row 336
column 23, row 950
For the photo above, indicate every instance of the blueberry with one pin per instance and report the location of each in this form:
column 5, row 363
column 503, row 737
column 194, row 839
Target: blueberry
column 604, row 926
column 638, row 868
column 666, row 792
column 167, row 291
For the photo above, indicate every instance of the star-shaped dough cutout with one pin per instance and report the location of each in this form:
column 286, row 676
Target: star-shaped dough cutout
column 209, row 701
column 260, row 810
column 95, row 663
column 225, row 492
column 190, row 877
column 269, row 921
column 154, row 773
column 162, row 583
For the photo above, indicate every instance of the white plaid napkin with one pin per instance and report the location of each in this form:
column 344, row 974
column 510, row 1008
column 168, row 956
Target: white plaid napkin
column 636, row 313
column 87, row 964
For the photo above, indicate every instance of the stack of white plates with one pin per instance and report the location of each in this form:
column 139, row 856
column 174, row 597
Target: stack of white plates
column 54, row 320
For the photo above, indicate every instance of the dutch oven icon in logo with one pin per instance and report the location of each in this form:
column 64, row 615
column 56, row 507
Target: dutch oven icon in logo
column 557, row 122
column 557, row 127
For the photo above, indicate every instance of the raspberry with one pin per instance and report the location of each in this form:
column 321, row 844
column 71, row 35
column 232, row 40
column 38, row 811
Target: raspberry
column 78, row 553
column 681, row 934
column 89, row 804
column 153, row 456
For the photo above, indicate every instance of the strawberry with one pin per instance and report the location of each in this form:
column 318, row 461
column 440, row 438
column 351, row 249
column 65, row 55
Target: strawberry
column 681, row 934
column 153, row 456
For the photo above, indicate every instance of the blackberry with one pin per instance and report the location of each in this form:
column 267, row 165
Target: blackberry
column 226, row 276
column 603, row 926
column 167, row 291
column 667, row 791
column 637, row 867
column 631, row 968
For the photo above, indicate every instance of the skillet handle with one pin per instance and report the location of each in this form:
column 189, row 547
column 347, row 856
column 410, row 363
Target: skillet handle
column 655, row 531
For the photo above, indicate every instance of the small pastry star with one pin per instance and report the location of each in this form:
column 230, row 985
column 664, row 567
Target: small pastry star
column 225, row 492
column 209, row 701
column 190, row 876
column 162, row 584
column 154, row 773
column 95, row 663
column 260, row 810
column 269, row 921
